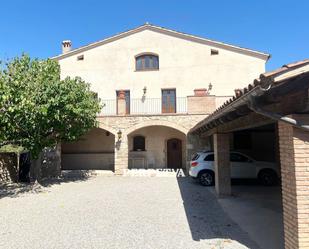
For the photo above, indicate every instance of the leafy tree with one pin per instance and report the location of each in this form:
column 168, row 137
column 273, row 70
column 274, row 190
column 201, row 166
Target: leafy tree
column 38, row 109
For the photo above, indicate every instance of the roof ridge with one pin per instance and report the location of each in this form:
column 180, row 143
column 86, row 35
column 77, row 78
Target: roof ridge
column 167, row 30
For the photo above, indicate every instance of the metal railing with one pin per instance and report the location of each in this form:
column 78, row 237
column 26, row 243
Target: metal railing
column 109, row 107
column 143, row 106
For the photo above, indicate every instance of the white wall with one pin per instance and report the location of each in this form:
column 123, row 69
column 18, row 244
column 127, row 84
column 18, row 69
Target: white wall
column 184, row 65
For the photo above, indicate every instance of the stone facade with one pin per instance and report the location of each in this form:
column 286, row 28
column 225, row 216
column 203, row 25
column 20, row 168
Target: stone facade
column 294, row 150
column 129, row 124
column 8, row 167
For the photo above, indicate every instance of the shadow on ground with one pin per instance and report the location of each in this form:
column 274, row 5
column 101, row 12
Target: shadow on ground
column 16, row 189
column 206, row 217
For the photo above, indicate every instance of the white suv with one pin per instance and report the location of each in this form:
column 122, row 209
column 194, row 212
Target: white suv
column 202, row 168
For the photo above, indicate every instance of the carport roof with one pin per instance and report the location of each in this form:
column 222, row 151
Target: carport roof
column 267, row 79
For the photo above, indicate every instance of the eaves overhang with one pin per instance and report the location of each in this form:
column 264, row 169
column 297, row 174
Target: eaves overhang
column 256, row 89
column 181, row 35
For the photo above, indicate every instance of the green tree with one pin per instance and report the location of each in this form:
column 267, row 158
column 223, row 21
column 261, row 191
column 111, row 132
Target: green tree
column 38, row 109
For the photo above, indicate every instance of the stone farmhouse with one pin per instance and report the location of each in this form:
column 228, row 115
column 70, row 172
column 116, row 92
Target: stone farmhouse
column 156, row 84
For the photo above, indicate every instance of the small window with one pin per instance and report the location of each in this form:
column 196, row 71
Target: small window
column 214, row 52
column 139, row 143
column 80, row 57
column 147, row 62
column 235, row 157
column 210, row 158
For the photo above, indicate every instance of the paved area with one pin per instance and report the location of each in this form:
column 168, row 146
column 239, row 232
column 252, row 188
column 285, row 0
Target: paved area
column 258, row 211
column 116, row 212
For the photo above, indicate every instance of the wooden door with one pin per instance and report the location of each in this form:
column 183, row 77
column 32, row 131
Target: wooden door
column 174, row 153
column 168, row 101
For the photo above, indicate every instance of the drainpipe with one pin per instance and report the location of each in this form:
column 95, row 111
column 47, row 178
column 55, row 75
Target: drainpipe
column 275, row 116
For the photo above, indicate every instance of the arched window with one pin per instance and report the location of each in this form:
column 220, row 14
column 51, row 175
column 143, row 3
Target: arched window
column 146, row 62
column 138, row 143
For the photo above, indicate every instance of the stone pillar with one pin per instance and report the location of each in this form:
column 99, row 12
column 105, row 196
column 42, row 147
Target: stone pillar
column 294, row 159
column 121, row 155
column 121, row 103
column 222, row 164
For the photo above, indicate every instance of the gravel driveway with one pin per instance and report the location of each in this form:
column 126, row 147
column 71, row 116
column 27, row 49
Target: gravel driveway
column 116, row 212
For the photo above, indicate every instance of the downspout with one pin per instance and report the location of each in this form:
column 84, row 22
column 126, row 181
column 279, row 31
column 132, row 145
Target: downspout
column 275, row 116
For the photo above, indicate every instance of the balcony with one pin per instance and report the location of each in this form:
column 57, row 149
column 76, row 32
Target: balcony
column 147, row 106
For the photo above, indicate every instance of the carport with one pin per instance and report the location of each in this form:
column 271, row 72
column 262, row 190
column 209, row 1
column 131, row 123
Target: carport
column 277, row 103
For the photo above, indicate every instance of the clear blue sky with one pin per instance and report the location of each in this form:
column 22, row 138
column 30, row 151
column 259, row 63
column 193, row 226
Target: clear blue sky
column 280, row 28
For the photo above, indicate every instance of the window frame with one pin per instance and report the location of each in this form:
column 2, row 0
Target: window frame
column 143, row 56
column 134, row 145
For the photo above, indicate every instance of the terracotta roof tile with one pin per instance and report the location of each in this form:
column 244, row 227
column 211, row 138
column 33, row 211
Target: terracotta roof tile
column 268, row 76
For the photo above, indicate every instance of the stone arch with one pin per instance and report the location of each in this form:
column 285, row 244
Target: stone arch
column 107, row 128
column 164, row 123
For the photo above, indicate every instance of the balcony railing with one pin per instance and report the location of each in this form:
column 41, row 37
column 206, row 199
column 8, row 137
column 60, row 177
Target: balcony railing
column 144, row 106
column 109, row 107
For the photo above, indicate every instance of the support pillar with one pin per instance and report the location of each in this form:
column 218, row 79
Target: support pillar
column 121, row 155
column 294, row 158
column 222, row 164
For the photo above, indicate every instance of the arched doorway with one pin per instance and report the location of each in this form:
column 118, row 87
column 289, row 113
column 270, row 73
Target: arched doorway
column 92, row 151
column 156, row 147
column 174, row 153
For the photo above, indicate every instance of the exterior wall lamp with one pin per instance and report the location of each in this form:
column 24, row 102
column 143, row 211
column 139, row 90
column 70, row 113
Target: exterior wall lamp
column 209, row 87
column 144, row 90
column 119, row 133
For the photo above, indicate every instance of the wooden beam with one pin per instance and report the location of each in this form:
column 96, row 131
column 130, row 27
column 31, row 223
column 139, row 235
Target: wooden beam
column 249, row 121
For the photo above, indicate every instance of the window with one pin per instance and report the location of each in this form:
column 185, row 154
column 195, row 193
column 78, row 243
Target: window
column 80, row 57
column 210, row 157
column 139, row 143
column 235, row 157
column 147, row 62
column 214, row 52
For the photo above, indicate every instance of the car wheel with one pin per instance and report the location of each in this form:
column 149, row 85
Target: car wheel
column 206, row 178
column 268, row 177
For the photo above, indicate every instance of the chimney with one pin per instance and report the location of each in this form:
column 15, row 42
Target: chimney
column 66, row 46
